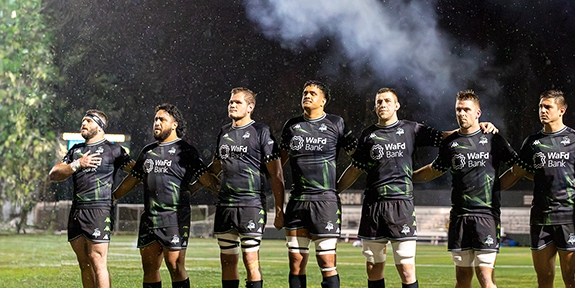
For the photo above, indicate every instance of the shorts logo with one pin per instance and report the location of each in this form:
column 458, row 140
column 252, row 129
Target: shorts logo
column 224, row 152
column 251, row 225
column 337, row 230
column 260, row 230
column 97, row 233
column 106, row 237
column 172, row 151
column 539, row 160
column 571, row 239
column 107, row 220
column 175, row 239
column 376, row 152
column 329, row 226
column 489, row 240
column 458, row 161
column 107, row 229
column 483, row 140
column 400, row 131
column 322, row 128
column 296, row 143
column 148, row 165
column 405, row 230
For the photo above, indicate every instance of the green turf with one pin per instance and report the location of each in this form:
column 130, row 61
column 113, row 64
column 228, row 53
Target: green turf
column 48, row 261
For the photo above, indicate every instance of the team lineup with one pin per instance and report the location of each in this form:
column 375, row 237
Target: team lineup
column 248, row 158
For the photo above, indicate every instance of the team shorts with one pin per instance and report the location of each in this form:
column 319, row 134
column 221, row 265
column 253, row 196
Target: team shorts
column 479, row 233
column 245, row 220
column 171, row 237
column 93, row 223
column 321, row 218
column 563, row 235
column 389, row 219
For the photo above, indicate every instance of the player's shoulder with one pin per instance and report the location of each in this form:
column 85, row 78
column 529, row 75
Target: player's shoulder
column 294, row 120
column 333, row 118
column 78, row 146
column 569, row 130
column 369, row 129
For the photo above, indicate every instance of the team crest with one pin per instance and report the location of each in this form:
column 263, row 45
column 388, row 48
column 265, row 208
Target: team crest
column 454, row 144
column 296, row 143
column 571, row 239
column 148, row 165
column 376, row 152
column 322, row 127
column 489, row 240
column 483, row 140
column 251, row 225
column 539, row 160
column 224, row 152
column 565, row 140
column 100, row 150
column 458, row 161
column 175, row 239
column 97, row 233
column 329, row 226
column 172, row 151
column 405, row 230
column 400, row 131
column 246, row 135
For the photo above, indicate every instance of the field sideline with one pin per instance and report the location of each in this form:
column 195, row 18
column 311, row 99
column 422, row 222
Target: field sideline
column 48, row 261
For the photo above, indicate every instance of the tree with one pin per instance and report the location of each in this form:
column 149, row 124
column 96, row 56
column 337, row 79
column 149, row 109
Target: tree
column 27, row 143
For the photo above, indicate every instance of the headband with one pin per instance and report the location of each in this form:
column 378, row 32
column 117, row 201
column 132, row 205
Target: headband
column 96, row 119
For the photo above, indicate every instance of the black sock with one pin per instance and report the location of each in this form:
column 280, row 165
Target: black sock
column 152, row 285
column 412, row 285
column 230, row 283
column 376, row 283
column 254, row 284
column 181, row 284
column 330, row 282
column 297, row 281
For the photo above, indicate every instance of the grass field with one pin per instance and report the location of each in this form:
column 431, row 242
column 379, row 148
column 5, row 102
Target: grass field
column 48, row 261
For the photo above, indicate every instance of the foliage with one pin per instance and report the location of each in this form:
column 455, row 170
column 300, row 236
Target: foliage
column 26, row 74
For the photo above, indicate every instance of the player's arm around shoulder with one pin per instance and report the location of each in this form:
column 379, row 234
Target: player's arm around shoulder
column 348, row 177
column 511, row 176
column 125, row 187
column 208, row 180
column 426, row 173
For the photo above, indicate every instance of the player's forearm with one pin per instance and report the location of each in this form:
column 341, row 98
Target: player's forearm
column 125, row 187
column 210, row 181
column 347, row 179
column 278, row 189
column 424, row 174
column 511, row 176
column 61, row 171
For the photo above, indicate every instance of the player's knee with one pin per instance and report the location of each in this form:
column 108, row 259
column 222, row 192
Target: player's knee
column 374, row 252
column 325, row 246
column 250, row 244
column 485, row 259
column 404, row 252
column 297, row 244
column 229, row 244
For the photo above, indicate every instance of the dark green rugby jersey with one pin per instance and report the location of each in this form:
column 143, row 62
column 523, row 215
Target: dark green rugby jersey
column 243, row 153
column 93, row 186
column 550, row 158
column 167, row 170
column 475, row 161
column 313, row 147
column 385, row 154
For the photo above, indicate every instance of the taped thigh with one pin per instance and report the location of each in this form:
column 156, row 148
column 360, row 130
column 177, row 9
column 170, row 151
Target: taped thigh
column 250, row 243
column 229, row 243
column 324, row 246
column 485, row 259
column 463, row 258
column 296, row 244
column 404, row 252
column 374, row 251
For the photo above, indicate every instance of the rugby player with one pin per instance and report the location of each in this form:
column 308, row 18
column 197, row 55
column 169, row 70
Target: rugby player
column 246, row 152
column 474, row 160
column 311, row 143
column 92, row 165
column 169, row 169
column 547, row 157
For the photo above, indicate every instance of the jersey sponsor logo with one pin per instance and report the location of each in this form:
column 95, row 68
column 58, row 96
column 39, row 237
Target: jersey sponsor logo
column 322, row 127
column 539, row 160
column 473, row 159
column 400, row 131
column 565, row 140
column 157, row 166
column 246, row 135
column 552, row 160
column 172, row 151
column 224, row 152
column 96, row 233
column 483, row 140
column 175, row 239
column 458, row 161
column 296, row 143
column 405, row 229
column 376, row 152
column 489, row 240
column 251, row 225
column 329, row 226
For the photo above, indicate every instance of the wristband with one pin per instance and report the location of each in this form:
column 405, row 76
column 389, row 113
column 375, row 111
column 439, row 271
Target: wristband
column 75, row 165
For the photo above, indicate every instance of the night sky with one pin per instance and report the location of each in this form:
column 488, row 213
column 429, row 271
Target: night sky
column 126, row 57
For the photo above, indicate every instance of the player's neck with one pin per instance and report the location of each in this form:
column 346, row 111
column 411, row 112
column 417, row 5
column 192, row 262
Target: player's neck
column 241, row 122
column 96, row 138
column 173, row 136
column 386, row 122
column 553, row 126
column 470, row 129
column 313, row 113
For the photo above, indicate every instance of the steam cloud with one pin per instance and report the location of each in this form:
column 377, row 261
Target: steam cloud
column 399, row 41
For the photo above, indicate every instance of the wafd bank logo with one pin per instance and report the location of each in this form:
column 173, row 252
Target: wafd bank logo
column 157, row 166
column 308, row 143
